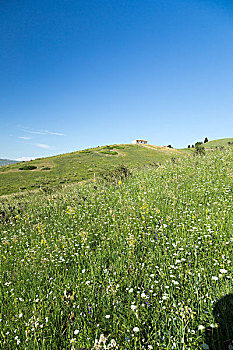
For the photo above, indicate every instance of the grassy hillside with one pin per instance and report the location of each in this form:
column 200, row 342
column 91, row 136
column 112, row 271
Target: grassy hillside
column 78, row 166
column 147, row 262
column 218, row 143
column 6, row 162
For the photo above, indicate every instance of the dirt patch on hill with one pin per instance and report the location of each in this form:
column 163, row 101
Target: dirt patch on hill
column 164, row 149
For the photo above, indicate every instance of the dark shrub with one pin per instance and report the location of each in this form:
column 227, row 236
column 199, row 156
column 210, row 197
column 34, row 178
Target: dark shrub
column 199, row 150
column 112, row 153
column 120, row 173
column 119, row 147
column 85, row 151
column 28, row 167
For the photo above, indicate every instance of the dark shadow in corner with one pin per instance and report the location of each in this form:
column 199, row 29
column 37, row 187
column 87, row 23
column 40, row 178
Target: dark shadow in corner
column 221, row 338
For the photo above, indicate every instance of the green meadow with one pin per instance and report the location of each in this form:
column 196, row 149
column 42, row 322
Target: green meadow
column 140, row 263
column 219, row 143
column 78, row 166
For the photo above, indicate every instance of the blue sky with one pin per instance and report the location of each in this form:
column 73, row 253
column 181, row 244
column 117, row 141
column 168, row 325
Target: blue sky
column 76, row 74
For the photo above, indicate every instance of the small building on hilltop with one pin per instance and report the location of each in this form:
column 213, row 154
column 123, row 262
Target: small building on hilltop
column 139, row 142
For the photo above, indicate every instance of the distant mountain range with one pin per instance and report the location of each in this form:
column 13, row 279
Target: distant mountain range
column 7, row 161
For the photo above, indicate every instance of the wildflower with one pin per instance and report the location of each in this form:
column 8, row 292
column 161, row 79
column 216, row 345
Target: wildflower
column 212, row 325
column 136, row 329
column 133, row 307
column 76, row 331
column 175, row 282
column 102, row 339
column 223, row 271
column 214, row 278
column 70, row 210
column 107, row 316
column 131, row 290
column 200, row 328
column 113, row 343
column 143, row 295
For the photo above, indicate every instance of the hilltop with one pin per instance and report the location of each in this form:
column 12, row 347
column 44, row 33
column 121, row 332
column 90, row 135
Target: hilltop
column 218, row 143
column 80, row 165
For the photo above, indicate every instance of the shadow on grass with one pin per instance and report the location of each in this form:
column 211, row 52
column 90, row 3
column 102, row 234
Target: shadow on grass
column 221, row 338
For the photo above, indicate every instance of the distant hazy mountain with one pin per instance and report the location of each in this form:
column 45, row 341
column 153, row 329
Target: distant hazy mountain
column 7, row 161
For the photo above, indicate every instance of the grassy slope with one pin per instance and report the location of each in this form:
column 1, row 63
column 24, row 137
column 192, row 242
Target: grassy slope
column 210, row 145
column 147, row 262
column 81, row 165
column 217, row 143
column 78, row 166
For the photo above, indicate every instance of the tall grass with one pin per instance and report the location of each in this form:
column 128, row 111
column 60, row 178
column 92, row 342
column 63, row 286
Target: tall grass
column 141, row 262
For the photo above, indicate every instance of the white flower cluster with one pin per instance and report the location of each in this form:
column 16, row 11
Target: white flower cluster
column 102, row 343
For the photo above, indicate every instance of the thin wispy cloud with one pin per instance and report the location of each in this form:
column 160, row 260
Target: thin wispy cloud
column 25, row 159
column 24, row 137
column 24, row 140
column 39, row 131
column 41, row 145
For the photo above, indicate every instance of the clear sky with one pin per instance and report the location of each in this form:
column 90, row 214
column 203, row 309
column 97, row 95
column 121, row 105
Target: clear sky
column 81, row 73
